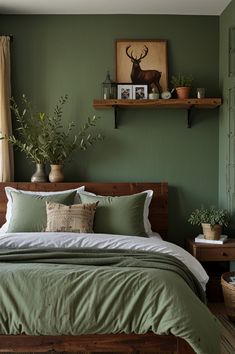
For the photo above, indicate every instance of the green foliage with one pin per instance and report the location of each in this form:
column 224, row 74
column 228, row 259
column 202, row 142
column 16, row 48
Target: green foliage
column 42, row 136
column 210, row 216
column 29, row 130
column 181, row 80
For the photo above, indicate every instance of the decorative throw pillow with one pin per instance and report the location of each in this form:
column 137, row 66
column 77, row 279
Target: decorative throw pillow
column 29, row 211
column 9, row 190
column 118, row 215
column 147, row 225
column 73, row 218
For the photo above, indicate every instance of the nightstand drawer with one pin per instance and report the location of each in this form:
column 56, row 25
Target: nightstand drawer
column 216, row 254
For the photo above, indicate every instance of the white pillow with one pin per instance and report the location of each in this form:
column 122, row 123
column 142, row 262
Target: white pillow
column 155, row 235
column 9, row 190
column 147, row 225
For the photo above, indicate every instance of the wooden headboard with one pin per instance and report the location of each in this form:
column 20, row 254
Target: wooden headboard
column 158, row 213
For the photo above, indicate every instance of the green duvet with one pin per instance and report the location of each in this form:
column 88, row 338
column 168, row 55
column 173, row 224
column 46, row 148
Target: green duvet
column 46, row 292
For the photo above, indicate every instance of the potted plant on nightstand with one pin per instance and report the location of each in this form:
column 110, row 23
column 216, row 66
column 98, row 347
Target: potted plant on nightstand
column 182, row 84
column 211, row 220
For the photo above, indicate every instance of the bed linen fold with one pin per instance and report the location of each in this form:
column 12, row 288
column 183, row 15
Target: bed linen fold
column 68, row 240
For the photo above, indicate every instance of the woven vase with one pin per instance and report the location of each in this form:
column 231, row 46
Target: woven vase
column 211, row 232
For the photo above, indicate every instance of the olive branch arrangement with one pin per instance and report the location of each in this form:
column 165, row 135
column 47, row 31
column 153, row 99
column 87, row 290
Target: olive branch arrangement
column 42, row 136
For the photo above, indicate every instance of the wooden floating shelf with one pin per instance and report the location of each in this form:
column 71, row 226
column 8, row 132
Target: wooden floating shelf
column 188, row 104
column 171, row 103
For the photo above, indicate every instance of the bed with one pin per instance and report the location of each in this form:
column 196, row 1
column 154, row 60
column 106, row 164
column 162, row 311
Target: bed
column 131, row 256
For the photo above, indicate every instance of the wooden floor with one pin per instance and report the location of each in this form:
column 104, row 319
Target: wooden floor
column 228, row 328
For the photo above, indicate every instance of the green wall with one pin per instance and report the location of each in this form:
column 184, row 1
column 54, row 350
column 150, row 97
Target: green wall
column 54, row 55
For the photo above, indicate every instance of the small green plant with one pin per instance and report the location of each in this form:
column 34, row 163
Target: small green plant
column 42, row 136
column 210, row 216
column 181, row 80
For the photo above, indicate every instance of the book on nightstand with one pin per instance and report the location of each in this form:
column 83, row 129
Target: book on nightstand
column 201, row 239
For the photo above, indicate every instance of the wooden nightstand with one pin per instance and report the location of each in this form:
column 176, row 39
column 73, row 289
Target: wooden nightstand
column 216, row 261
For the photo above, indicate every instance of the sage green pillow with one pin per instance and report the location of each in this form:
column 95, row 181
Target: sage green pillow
column 118, row 215
column 29, row 211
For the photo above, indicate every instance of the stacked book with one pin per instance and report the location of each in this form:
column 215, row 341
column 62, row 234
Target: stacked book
column 201, row 239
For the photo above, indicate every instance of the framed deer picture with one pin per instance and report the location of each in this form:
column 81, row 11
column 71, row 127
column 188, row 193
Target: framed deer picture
column 142, row 62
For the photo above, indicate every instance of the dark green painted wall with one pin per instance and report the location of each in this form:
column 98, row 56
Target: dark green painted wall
column 53, row 55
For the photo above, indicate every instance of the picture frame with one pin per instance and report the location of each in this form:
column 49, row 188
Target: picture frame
column 142, row 62
column 124, row 91
column 140, row 92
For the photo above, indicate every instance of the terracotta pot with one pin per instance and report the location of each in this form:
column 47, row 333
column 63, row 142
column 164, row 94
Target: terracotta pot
column 39, row 175
column 56, row 174
column 211, row 232
column 183, row 92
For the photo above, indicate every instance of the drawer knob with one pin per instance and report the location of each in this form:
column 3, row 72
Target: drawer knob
column 224, row 254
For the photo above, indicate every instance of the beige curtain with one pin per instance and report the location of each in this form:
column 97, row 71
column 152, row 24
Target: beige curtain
column 6, row 154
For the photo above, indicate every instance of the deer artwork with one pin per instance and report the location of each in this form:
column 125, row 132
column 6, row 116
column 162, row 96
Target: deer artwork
column 143, row 77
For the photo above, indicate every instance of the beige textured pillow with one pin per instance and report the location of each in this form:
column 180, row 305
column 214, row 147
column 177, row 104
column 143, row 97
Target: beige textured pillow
column 73, row 218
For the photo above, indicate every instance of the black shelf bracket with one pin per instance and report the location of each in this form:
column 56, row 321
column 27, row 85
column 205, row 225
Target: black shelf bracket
column 189, row 116
column 115, row 108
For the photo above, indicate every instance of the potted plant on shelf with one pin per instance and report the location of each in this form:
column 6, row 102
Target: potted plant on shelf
column 43, row 139
column 182, row 84
column 211, row 220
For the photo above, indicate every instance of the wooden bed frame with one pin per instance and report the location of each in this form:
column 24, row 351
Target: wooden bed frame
column 121, row 343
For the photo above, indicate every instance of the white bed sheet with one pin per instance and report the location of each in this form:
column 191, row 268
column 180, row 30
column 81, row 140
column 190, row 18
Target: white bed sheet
column 103, row 241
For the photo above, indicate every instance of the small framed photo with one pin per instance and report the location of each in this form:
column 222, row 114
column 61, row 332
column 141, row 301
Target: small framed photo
column 125, row 92
column 140, row 92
